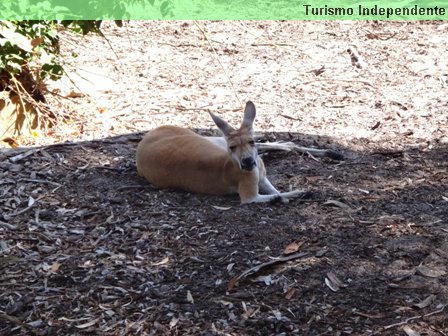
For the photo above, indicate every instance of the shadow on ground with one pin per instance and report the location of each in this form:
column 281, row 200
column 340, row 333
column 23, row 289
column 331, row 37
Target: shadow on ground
column 88, row 247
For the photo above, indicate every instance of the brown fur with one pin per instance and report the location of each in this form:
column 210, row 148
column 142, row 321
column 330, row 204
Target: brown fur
column 174, row 157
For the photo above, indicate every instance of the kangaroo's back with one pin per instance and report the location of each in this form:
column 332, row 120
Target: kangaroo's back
column 174, row 157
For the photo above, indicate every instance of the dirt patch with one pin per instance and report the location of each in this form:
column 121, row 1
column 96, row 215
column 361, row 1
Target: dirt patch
column 88, row 247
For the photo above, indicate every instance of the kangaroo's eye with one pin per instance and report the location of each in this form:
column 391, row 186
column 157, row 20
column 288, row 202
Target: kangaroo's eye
column 232, row 148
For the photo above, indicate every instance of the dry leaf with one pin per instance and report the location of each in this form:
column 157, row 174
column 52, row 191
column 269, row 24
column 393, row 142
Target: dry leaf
column 410, row 332
column 267, row 279
column 77, row 231
column 230, row 267
column 35, row 134
column 73, row 94
column 31, row 201
column 425, row 303
column 232, row 283
column 277, row 314
column 164, row 261
column 12, row 142
column 335, row 279
column 55, row 267
column 430, row 272
column 372, row 36
column 36, row 41
column 322, row 252
column 292, row 247
column 333, row 282
column 88, row 324
column 190, row 297
column 174, row 322
column 221, row 208
column 331, row 286
column 247, row 313
column 258, row 268
column 290, row 293
column 338, row 204
column 313, row 179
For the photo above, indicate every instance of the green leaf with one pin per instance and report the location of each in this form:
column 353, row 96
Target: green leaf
column 16, row 38
column 165, row 8
column 14, row 67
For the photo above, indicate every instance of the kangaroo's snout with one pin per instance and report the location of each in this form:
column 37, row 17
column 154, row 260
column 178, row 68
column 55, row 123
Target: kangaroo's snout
column 248, row 164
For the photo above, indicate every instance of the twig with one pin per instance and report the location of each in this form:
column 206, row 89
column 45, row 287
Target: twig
column 311, row 156
column 8, row 226
column 259, row 267
column 414, row 318
column 339, row 80
column 219, row 61
column 272, row 45
column 7, row 217
column 17, row 84
column 393, row 153
column 263, row 42
column 38, row 105
column 21, row 156
column 110, row 46
column 40, row 181
column 289, row 146
column 182, row 108
column 288, row 117
column 178, row 45
column 14, row 320
column 135, row 187
column 127, row 34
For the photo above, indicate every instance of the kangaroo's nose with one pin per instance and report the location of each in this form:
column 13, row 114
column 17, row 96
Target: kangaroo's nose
column 248, row 163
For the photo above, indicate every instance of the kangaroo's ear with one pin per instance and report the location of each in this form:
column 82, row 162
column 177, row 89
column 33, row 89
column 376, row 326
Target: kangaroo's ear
column 222, row 125
column 249, row 115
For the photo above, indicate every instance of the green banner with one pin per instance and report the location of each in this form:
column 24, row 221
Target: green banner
column 222, row 10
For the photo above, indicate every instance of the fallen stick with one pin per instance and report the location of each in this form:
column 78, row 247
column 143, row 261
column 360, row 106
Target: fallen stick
column 258, row 268
column 21, row 156
column 409, row 319
column 14, row 320
column 8, row 226
column 289, row 146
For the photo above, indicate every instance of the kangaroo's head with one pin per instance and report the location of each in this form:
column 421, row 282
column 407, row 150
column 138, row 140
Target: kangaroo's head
column 240, row 142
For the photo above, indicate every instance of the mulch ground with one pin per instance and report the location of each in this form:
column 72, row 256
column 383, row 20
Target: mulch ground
column 89, row 248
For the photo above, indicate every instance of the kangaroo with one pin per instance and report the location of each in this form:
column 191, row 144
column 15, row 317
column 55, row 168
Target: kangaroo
column 175, row 157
